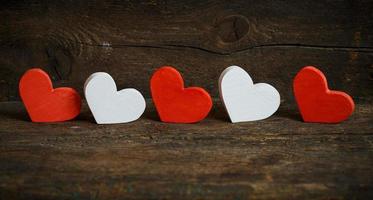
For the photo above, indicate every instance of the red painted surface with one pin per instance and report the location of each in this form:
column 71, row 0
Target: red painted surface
column 175, row 103
column 45, row 104
column 316, row 102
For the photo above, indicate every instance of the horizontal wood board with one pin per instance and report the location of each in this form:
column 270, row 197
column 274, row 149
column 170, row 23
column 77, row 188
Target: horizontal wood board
column 277, row 158
column 272, row 40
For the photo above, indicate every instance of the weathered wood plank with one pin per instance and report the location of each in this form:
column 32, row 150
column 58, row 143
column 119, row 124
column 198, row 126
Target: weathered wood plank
column 270, row 39
column 346, row 71
column 278, row 158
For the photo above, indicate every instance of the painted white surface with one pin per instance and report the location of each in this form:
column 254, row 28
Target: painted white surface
column 244, row 100
column 110, row 106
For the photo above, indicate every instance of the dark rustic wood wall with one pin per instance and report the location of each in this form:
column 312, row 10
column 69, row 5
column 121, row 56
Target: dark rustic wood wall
column 277, row 158
column 130, row 39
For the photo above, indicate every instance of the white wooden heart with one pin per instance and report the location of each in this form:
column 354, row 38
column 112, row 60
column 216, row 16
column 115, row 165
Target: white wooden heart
column 244, row 100
column 110, row 106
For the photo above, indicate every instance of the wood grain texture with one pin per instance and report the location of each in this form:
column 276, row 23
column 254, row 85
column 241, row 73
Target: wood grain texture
column 277, row 158
column 270, row 39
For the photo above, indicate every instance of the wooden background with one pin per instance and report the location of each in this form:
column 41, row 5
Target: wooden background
column 277, row 158
column 271, row 39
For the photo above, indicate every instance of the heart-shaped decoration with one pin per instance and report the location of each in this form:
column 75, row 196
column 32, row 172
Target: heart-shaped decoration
column 175, row 103
column 244, row 100
column 316, row 102
column 45, row 104
column 110, row 106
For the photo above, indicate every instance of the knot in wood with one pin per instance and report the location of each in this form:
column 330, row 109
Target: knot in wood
column 232, row 28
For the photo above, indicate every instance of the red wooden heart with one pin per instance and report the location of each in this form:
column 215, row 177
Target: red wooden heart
column 45, row 104
column 175, row 103
column 316, row 102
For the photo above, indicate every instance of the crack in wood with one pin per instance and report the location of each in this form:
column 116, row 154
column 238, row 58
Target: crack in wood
column 180, row 46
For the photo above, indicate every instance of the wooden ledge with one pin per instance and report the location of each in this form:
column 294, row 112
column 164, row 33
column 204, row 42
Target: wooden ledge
column 280, row 158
